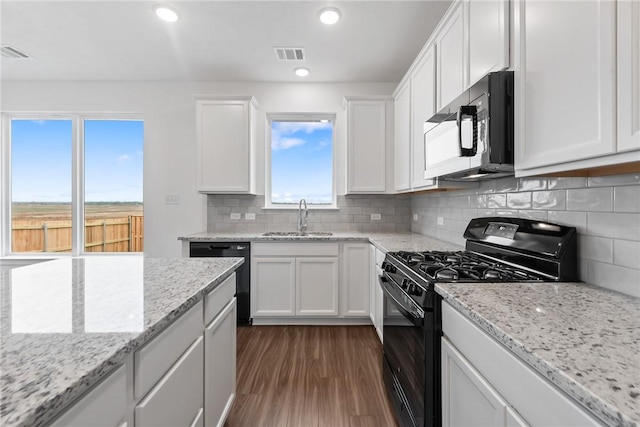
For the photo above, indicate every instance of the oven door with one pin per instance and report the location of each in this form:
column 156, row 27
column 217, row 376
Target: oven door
column 404, row 353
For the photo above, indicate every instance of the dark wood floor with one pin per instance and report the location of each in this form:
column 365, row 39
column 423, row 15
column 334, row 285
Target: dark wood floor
column 310, row 376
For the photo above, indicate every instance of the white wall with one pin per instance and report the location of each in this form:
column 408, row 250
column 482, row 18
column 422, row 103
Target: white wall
column 168, row 109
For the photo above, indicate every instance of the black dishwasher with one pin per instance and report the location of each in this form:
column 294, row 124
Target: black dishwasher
column 243, row 273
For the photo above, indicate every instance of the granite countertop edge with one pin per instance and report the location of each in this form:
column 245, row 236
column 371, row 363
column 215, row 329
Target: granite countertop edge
column 591, row 402
column 57, row 404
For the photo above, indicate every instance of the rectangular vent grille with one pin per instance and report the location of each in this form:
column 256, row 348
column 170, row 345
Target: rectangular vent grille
column 11, row 52
column 289, row 53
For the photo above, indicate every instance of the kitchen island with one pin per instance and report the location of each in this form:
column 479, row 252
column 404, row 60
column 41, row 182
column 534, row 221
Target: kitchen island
column 68, row 323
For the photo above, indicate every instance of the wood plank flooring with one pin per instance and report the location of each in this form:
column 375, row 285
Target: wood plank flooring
column 310, row 376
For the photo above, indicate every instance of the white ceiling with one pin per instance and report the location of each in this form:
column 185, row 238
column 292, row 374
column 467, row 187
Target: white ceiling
column 375, row 41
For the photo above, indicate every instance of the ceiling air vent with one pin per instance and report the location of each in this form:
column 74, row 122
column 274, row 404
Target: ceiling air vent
column 289, row 53
column 11, row 52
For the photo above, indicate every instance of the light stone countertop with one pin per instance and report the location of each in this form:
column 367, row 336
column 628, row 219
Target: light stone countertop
column 586, row 341
column 582, row 338
column 387, row 242
column 67, row 323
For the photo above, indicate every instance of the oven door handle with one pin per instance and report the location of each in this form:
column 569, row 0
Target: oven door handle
column 406, row 312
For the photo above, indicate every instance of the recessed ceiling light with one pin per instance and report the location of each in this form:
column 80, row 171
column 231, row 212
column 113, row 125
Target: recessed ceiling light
column 329, row 15
column 301, row 72
column 166, row 13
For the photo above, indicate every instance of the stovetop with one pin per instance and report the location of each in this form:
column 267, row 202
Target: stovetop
column 460, row 266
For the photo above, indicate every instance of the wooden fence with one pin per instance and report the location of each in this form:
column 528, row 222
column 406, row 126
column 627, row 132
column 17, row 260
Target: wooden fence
column 123, row 234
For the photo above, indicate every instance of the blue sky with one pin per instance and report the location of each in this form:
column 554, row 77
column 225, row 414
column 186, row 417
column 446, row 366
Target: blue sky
column 301, row 162
column 41, row 160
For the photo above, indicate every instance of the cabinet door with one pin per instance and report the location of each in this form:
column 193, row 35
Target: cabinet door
column 628, row 75
column 402, row 143
column 488, row 37
column 224, row 146
column 565, row 93
column 176, row 401
column 372, row 284
column 220, row 366
column 366, row 145
column 423, row 101
column 272, row 286
column 355, row 279
column 104, row 406
column 467, row 399
column 451, row 75
column 317, row 286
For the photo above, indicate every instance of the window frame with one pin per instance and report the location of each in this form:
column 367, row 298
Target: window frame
column 77, row 179
column 299, row 117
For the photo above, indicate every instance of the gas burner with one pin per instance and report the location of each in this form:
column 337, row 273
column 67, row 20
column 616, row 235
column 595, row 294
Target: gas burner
column 447, row 274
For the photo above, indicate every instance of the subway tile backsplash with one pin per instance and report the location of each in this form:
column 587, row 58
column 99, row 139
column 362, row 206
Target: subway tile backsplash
column 353, row 214
column 604, row 210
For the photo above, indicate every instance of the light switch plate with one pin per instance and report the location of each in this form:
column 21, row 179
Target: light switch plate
column 415, row 217
column 440, row 220
column 236, row 216
column 250, row 216
column 376, row 217
column 172, row 199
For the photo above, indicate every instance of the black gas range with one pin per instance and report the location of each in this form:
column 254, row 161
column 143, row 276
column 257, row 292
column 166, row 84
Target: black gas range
column 497, row 250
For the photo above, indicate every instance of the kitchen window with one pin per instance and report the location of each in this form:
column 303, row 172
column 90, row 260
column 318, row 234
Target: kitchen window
column 300, row 160
column 60, row 171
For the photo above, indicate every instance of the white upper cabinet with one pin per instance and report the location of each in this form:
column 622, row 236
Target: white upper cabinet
column 423, row 97
column 488, row 37
column 451, row 49
column 366, row 144
column 628, row 75
column 226, row 139
column 403, row 138
column 565, row 90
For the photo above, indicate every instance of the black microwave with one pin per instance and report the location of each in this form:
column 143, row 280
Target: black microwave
column 472, row 138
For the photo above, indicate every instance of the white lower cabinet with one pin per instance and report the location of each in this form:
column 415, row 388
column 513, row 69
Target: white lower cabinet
column 220, row 366
column 103, row 406
column 317, row 286
column 376, row 297
column 483, row 383
column 467, row 399
column 294, row 280
column 306, row 280
column 355, row 279
column 177, row 400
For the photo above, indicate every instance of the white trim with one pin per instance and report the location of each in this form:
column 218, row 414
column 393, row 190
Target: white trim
column 293, row 117
column 77, row 177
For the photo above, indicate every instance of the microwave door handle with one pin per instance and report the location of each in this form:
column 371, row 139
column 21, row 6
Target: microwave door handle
column 468, row 111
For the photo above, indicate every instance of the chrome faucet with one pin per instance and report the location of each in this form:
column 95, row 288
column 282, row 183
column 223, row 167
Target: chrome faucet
column 302, row 219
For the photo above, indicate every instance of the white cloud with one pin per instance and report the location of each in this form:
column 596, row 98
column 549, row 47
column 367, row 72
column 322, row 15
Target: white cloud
column 281, row 131
column 282, row 143
column 121, row 160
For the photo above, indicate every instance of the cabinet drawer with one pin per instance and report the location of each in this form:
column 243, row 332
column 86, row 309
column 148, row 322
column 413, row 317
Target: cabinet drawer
column 155, row 358
column 219, row 297
column 519, row 384
column 295, row 249
column 105, row 405
column 184, row 383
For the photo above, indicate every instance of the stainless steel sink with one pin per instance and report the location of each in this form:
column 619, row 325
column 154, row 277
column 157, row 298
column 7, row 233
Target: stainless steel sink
column 296, row 233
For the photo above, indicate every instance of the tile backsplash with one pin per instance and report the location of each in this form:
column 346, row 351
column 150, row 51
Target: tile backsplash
column 604, row 210
column 353, row 214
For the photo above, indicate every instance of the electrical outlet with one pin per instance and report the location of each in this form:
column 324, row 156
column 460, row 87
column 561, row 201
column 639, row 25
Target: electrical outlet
column 250, row 216
column 415, row 217
column 236, row 216
column 376, row 217
column 440, row 220
column 172, row 199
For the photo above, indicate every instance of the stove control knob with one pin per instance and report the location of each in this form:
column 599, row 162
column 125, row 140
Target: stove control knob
column 405, row 284
column 389, row 268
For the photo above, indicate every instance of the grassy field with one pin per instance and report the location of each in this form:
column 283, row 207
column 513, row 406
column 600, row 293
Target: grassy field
column 62, row 211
